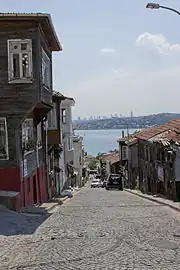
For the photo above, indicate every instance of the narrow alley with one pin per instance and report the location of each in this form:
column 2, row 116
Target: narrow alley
column 98, row 229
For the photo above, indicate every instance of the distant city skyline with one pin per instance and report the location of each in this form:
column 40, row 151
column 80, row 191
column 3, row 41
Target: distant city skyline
column 131, row 114
column 98, row 117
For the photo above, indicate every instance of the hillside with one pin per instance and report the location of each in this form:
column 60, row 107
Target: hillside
column 125, row 122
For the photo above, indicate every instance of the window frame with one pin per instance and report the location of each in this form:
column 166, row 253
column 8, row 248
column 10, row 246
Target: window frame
column 64, row 117
column 52, row 115
column 6, row 139
column 28, row 135
column 124, row 152
column 28, row 51
column 70, row 143
column 44, row 64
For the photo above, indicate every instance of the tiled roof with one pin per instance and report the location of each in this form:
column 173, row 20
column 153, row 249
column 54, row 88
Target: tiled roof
column 167, row 137
column 170, row 131
column 47, row 25
column 112, row 157
column 148, row 133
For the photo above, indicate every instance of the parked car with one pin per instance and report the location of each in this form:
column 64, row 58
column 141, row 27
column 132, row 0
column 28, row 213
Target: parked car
column 97, row 176
column 114, row 181
column 95, row 183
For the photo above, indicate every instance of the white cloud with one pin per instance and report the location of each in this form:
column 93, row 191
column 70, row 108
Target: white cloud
column 108, row 50
column 120, row 92
column 157, row 43
column 142, row 83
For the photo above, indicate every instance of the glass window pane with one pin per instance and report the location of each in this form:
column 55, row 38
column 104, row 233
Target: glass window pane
column 3, row 140
column 25, row 65
column 23, row 46
column 46, row 69
column 16, row 69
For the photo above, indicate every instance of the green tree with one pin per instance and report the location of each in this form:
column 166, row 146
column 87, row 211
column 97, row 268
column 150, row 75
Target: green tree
column 93, row 164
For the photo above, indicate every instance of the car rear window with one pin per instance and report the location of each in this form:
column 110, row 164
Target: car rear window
column 114, row 179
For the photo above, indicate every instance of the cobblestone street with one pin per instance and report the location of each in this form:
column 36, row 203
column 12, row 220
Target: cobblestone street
column 99, row 229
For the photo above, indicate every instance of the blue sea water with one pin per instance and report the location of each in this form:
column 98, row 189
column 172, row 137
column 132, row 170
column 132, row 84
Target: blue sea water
column 102, row 141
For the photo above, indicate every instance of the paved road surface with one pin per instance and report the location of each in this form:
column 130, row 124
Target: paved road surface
column 99, row 229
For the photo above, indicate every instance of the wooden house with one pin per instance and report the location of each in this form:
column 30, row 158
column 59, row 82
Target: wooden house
column 26, row 45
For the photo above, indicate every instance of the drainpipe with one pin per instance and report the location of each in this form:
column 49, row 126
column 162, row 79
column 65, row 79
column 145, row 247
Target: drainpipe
column 45, row 154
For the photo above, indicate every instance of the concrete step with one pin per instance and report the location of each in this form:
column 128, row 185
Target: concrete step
column 7, row 199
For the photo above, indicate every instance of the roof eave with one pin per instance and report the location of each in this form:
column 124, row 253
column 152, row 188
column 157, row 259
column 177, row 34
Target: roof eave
column 55, row 45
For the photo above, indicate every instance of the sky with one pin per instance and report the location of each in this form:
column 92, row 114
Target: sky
column 117, row 55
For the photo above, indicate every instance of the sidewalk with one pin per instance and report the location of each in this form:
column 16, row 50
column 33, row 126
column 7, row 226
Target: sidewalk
column 47, row 207
column 155, row 198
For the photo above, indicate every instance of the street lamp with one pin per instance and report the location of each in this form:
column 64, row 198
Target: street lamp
column 153, row 6
column 157, row 6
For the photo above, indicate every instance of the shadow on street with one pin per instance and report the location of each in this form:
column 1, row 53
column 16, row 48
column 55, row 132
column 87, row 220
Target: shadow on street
column 14, row 223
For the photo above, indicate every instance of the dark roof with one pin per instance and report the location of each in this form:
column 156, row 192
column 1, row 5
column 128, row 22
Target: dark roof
column 77, row 138
column 45, row 21
column 58, row 95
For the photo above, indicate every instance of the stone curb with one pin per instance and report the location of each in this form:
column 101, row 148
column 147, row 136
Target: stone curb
column 176, row 208
column 63, row 200
column 46, row 210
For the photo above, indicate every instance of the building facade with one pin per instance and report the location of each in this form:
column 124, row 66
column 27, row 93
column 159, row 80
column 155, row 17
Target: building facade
column 27, row 42
column 55, row 147
column 67, row 140
column 153, row 160
column 78, row 160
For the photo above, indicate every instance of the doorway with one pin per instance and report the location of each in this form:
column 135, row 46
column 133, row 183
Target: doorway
column 34, row 189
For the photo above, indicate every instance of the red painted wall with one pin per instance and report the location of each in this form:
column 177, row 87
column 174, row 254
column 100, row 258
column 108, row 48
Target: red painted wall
column 42, row 184
column 10, row 179
column 27, row 189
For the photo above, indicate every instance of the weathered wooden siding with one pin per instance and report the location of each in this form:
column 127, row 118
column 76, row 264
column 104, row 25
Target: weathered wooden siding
column 17, row 99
